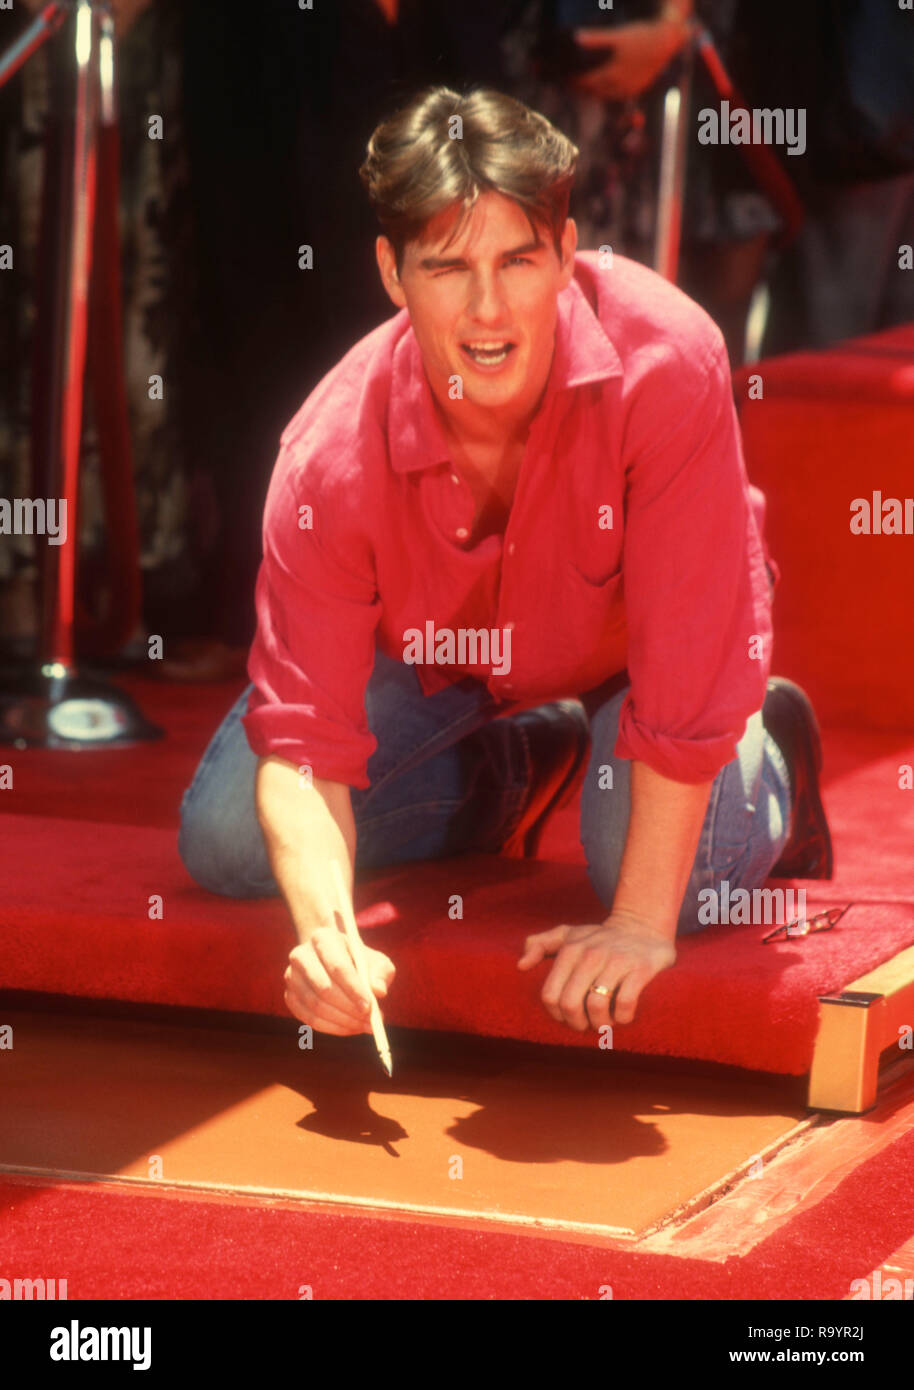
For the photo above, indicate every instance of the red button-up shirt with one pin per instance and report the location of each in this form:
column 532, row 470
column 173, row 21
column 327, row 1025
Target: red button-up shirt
column 634, row 540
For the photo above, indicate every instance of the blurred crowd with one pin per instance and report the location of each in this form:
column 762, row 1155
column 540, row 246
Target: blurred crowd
column 266, row 110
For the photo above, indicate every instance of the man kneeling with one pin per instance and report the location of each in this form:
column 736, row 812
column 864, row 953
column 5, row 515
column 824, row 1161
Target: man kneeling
column 510, row 552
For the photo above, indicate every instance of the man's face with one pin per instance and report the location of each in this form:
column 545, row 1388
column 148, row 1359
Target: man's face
column 485, row 308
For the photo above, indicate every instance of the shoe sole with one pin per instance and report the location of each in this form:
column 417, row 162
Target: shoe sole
column 525, row 840
column 810, row 808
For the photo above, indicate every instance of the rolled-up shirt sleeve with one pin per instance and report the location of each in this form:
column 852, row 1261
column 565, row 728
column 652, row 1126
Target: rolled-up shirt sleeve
column 317, row 611
column 697, row 596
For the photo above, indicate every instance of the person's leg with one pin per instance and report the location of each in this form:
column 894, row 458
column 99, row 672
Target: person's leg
column 447, row 777
column 841, row 279
column 745, row 828
column 219, row 840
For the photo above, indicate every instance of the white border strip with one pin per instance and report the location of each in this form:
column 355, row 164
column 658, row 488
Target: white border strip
column 369, row 1204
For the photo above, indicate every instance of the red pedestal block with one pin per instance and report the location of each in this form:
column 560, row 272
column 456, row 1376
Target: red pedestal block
column 833, row 429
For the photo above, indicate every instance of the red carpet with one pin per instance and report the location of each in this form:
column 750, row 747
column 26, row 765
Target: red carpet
column 211, row 1250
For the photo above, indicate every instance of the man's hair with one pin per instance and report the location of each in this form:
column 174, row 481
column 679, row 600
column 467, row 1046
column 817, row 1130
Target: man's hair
column 420, row 161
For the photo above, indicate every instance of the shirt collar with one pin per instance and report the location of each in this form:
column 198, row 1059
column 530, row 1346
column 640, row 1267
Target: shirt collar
column 584, row 353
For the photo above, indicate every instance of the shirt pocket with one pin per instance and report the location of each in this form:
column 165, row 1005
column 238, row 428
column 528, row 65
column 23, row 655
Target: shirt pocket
column 593, row 619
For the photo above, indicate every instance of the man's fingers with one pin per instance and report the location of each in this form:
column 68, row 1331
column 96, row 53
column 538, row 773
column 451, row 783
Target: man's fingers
column 301, row 1001
column 542, row 944
column 583, row 972
column 620, row 1005
column 321, row 1023
column 554, row 990
column 598, row 1008
column 629, row 994
column 309, row 1005
column 618, row 959
column 332, row 951
column 323, row 988
column 310, row 980
column 532, row 955
column 334, row 1012
column 381, row 971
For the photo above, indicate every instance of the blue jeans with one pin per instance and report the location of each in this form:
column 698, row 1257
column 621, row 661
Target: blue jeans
column 448, row 777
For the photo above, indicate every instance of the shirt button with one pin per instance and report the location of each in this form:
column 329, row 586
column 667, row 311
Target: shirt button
column 511, row 548
column 454, row 478
column 462, row 533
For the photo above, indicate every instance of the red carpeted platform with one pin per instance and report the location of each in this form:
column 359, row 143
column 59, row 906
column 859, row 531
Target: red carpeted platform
column 831, row 428
column 89, row 838
column 77, row 885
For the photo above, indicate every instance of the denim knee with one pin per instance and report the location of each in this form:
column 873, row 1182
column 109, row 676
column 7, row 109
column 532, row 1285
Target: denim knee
column 200, row 851
column 605, row 801
column 209, row 848
column 744, row 829
column 220, row 841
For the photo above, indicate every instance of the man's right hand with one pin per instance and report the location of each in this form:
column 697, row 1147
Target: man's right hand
column 323, row 988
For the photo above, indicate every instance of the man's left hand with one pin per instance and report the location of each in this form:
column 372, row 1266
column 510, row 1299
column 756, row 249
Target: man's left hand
column 621, row 954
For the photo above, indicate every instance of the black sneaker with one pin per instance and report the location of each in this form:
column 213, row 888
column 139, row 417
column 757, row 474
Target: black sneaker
column 789, row 718
column 558, row 735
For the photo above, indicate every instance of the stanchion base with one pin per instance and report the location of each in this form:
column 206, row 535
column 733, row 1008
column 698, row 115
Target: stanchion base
column 56, row 707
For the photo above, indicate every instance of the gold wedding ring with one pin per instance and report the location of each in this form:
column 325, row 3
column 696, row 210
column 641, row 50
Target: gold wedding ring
column 599, row 989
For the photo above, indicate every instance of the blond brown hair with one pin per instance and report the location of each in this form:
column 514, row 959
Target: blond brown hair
column 420, row 161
